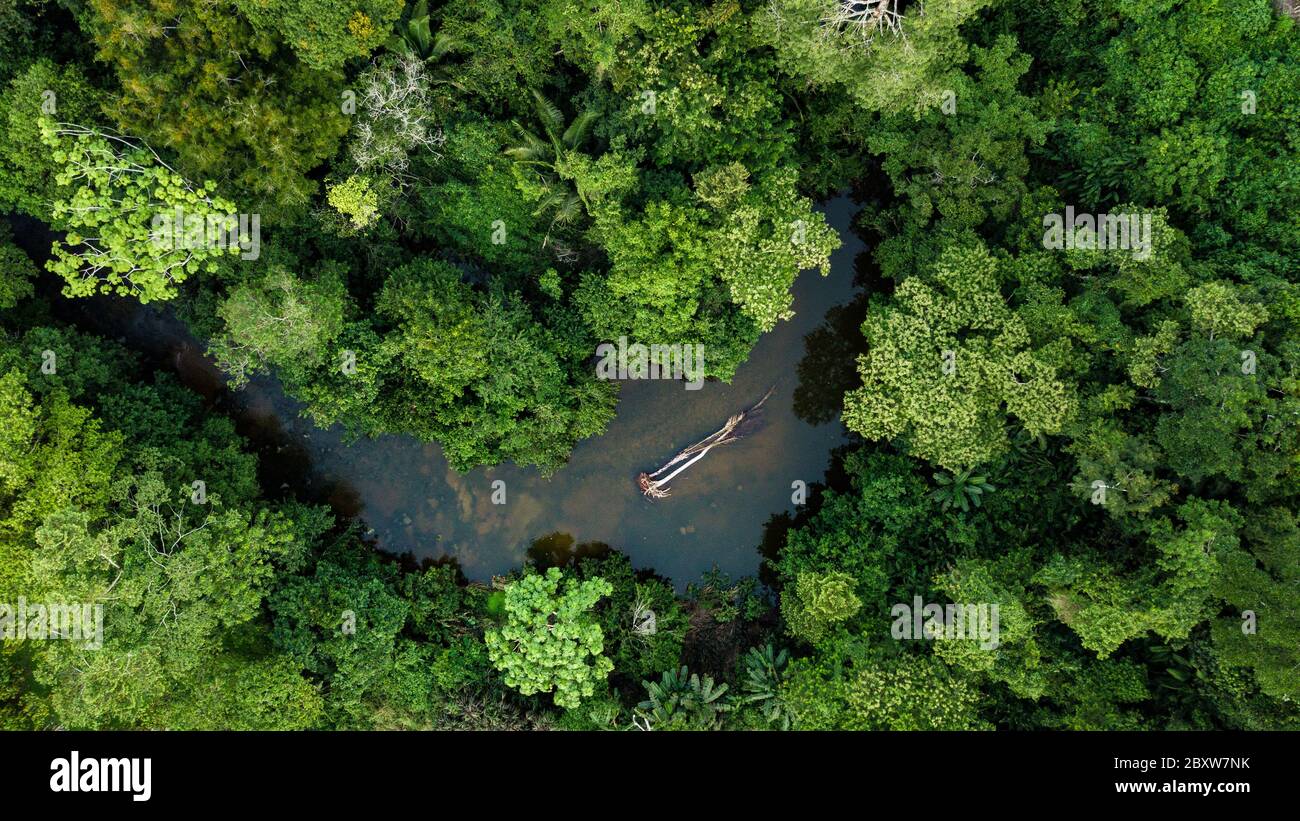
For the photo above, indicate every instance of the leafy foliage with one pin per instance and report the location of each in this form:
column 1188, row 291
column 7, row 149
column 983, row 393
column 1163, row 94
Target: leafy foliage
column 816, row 602
column 948, row 361
column 461, row 200
column 681, row 700
column 961, row 490
column 550, row 641
column 764, row 670
column 119, row 193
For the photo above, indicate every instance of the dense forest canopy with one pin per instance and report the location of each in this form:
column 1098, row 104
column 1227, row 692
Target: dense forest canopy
column 1074, row 400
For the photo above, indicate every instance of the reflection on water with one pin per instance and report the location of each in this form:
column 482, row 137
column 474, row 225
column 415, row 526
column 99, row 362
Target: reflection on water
column 829, row 368
column 404, row 490
column 560, row 550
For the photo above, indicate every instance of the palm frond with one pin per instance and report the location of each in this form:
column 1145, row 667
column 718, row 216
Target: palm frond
column 577, row 131
column 550, row 115
column 530, row 147
column 443, row 44
column 567, row 209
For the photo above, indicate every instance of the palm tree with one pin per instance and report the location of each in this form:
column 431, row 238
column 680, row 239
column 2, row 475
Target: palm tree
column 961, row 490
column 681, row 700
column 764, row 676
column 413, row 35
column 546, row 153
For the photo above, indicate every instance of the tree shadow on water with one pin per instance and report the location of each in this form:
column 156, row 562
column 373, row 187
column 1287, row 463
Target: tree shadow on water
column 829, row 369
column 560, row 550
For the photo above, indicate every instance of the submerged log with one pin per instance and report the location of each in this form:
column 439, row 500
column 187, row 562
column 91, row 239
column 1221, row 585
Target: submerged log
column 655, row 485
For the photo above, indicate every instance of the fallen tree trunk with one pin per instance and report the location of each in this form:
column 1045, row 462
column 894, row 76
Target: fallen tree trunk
column 655, row 485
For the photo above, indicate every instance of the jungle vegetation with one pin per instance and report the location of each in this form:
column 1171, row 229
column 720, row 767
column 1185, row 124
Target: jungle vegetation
column 459, row 200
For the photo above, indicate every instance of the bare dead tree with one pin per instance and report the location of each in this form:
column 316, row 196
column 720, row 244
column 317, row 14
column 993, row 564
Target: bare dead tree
column 396, row 117
column 865, row 18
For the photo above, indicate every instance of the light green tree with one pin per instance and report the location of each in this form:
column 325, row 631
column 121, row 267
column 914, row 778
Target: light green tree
column 120, row 189
column 1107, row 606
column 766, row 234
column 817, row 602
column 850, row 687
column 1220, row 309
column 948, row 362
column 713, row 269
column 886, row 57
column 280, row 318
column 355, row 199
column 551, row 640
column 1007, row 651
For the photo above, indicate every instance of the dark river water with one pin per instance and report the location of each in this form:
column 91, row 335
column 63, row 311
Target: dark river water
column 413, row 502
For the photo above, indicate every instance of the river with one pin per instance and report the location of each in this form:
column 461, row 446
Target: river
column 411, row 501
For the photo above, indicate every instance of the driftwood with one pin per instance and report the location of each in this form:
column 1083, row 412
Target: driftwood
column 655, row 485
